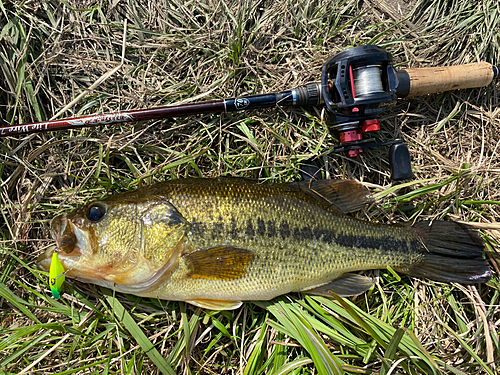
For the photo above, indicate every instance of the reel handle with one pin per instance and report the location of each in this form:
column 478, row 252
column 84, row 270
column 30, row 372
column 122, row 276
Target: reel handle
column 423, row 81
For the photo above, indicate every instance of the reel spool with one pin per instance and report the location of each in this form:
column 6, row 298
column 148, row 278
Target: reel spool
column 357, row 85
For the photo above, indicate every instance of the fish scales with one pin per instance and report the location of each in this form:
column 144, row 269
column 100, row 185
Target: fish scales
column 297, row 242
column 217, row 242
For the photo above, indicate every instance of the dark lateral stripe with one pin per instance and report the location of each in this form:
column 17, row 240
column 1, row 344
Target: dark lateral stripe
column 233, row 232
column 259, row 227
column 284, row 230
column 363, row 242
column 249, row 231
column 324, row 235
column 198, row 228
column 307, row 233
column 271, row 229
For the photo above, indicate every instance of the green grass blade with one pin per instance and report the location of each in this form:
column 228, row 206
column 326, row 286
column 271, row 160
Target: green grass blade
column 292, row 365
column 128, row 322
column 23, row 349
column 361, row 321
column 390, row 352
column 19, row 303
column 296, row 323
column 254, row 362
column 470, row 350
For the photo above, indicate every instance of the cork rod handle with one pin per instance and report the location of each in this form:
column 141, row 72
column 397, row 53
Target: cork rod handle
column 433, row 80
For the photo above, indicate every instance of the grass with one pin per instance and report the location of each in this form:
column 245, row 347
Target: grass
column 51, row 52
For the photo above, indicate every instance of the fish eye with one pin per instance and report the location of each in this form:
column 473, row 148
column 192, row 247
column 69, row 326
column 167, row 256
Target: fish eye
column 96, row 212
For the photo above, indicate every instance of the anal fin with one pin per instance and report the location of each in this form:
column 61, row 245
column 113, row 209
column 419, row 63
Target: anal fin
column 349, row 284
column 215, row 305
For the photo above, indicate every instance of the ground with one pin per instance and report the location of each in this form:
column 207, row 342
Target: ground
column 68, row 58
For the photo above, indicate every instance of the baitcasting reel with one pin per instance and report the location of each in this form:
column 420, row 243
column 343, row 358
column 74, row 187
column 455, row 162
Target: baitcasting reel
column 357, row 85
column 360, row 83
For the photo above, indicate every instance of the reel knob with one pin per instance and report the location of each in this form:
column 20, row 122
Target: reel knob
column 399, row 160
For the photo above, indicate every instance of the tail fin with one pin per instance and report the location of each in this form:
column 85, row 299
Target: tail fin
column 453, row 253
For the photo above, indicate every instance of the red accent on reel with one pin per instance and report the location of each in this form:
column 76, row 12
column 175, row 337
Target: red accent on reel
column 351, row 136
column 351, row 78
column 370, row 126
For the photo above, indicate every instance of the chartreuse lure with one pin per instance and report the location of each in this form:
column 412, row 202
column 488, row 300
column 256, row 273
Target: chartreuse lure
column 56, row 276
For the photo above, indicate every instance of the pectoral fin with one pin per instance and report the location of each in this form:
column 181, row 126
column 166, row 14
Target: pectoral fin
column 349, row 284
column 215, row 305
column 218, row 263
column 343, row 195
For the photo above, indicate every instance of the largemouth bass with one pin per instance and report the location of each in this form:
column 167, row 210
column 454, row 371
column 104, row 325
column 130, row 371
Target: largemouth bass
column 217, row 242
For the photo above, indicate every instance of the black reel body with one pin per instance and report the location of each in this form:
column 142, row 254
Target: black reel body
column 357, row 85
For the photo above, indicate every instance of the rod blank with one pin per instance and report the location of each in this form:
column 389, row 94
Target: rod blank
column 216, row 106
column 310, row 94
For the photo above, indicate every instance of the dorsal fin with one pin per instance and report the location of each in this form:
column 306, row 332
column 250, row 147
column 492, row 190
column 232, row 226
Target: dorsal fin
column 344, row 195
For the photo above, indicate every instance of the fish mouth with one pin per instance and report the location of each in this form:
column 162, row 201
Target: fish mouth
column 43, row 261
column 71, row 236
column 72, row 243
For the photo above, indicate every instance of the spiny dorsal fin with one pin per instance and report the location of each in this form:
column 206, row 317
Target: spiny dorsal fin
column 349, row 284
column 344, row 195
column 218, row 263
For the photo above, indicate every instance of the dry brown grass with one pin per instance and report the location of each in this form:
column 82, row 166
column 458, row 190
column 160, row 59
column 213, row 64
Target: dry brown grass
column 53, row 51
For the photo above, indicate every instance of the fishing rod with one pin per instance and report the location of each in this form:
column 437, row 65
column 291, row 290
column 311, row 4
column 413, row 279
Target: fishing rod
column 356, row 86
